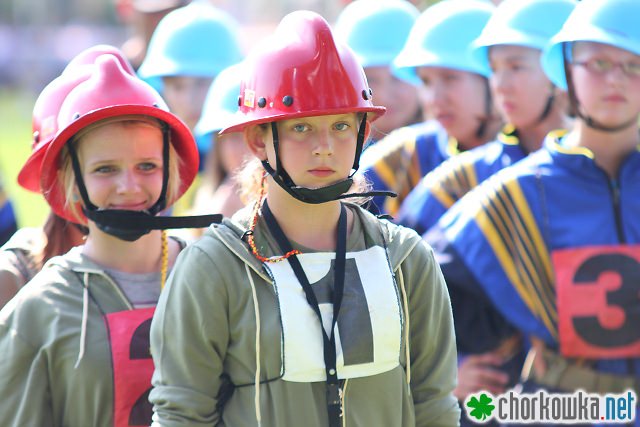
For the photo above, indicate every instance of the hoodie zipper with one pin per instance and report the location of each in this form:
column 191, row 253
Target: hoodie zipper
column 614, row 187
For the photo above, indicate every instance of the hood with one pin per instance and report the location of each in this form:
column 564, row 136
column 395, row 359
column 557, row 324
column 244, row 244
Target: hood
column 400, row 241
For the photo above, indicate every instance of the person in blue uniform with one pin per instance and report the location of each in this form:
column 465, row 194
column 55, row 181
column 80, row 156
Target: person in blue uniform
column 457, row 95
column 551, row 242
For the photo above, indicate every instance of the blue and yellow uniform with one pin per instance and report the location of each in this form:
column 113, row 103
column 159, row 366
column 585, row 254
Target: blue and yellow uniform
column 554, row 243
column 399, row 161
column 455, row 177
column 8, row 224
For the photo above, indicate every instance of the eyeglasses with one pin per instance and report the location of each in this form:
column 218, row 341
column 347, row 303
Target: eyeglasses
column 604, row 66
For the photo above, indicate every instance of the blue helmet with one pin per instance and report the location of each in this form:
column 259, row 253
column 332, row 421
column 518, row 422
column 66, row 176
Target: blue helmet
column 376, row 30
column 220, row 106
column 195, row 40
column 528, row 23
column 442, row 36
column 612, row 22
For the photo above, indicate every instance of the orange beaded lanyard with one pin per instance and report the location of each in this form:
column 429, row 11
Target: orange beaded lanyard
column 254, row 221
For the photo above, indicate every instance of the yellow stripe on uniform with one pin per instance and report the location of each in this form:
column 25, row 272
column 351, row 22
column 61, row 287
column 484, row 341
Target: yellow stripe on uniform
column 509, row 227
column 453, row 179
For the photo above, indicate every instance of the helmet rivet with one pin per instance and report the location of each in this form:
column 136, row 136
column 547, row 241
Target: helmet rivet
column 76, row 116
column 36, row 137
column 370, row 92
column 155, row 104
column 287, row 100
column 239, row 101
column 262, row 102
column 365, row 94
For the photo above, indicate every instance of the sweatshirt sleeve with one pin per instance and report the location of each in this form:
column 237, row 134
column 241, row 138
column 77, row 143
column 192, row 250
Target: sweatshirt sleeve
column 24, row 387
column 189, row 335
column 432, row 340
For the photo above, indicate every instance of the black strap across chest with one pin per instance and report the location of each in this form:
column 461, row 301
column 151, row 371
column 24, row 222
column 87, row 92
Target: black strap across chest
column 329, row 341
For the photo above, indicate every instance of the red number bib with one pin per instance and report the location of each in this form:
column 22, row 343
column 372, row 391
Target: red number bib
column 132, row 366
column 598, row 300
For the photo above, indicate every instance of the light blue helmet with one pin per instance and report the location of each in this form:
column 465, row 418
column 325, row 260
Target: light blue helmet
column 612, row 22
column 376, row 30
column 442, row 36
column 528, row 23
column 196, row 40
column 220, row 106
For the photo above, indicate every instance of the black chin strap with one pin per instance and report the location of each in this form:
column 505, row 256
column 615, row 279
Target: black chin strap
column 575, row 104
column 130, row 225
column 488, row 108
column 334, row 404
column 548, row 105
column 323, row 194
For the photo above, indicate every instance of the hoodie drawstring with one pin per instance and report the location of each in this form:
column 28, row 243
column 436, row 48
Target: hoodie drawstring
column 257, row 314
column 85, row 316
column 164, row 263
column 405, row 307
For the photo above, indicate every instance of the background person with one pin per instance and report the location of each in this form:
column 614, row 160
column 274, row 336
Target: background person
column 457, row 92
column 551, row 240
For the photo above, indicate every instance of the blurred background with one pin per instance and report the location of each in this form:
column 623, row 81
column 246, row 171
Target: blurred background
column 38, row 38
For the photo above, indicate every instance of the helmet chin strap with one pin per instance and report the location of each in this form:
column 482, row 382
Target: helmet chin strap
column 548, row 105
column 323, row 194
column 488, row 107
column 575, row 104
column 130, row 225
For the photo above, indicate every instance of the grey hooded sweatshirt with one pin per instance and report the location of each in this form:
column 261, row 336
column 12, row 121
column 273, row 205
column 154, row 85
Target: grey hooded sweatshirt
column 235, row 343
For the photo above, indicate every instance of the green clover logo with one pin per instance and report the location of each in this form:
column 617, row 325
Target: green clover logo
column 481, row 408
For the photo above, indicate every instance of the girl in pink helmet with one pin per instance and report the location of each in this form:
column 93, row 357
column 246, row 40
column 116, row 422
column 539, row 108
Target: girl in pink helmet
column 31, row 247
column 305, row 309
column 74, row 340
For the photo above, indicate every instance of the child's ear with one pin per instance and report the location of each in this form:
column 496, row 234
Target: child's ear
column 254, row 137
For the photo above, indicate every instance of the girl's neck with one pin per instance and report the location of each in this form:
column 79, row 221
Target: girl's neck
column 489, row 134
column 609, row 148
column 141, row 256
column 311, row 225
column 532, row 137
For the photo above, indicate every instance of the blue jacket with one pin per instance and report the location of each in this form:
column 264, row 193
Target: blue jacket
column 501, row 241
column 8, row 224
column 455, row 177
column 400, row 160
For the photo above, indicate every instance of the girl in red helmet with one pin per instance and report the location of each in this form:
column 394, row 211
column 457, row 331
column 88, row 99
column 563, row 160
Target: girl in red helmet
column 305, row 310
column 74, row 340
column 31, row 247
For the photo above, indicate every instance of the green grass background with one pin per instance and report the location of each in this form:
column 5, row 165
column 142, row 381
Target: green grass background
column 15, row 146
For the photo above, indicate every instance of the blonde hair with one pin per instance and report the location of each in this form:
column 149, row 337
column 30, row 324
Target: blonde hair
column 67, row 176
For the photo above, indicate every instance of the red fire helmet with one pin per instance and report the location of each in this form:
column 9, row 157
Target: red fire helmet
column 46, row 107
column 111, row 92
column 301, row 71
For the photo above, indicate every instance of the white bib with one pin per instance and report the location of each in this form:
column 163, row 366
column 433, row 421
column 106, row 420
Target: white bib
column 369, row 328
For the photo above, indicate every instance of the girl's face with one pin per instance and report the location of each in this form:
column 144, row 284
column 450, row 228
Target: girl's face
column 121, row 165
column 315, row 151
column 605, row 91
column 185, row 96
column 520, row 87
column 456, row 99
column 400, row 98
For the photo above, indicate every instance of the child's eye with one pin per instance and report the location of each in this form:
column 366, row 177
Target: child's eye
column 104, row 169
column 449, row 78
column 300, row 127
column 148, row 166
column 342, row 126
